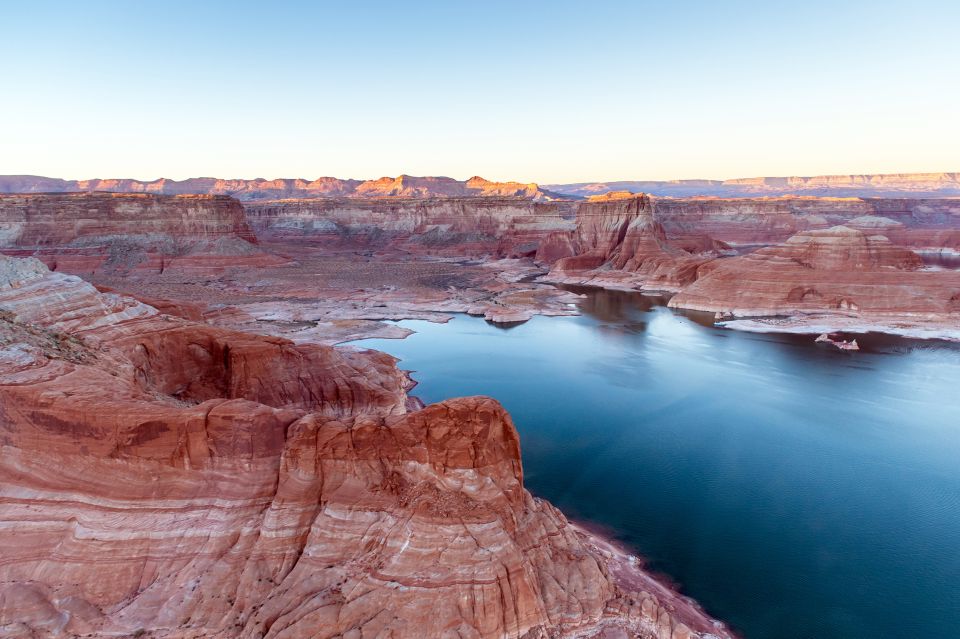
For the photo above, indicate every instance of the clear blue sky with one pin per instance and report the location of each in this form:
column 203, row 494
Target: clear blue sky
column 532, row 91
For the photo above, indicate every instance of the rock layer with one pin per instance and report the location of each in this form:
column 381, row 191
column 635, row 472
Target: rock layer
column 505, row 227
column 165, row 478
column 751, row 222
column 85, row 232
column 325, row 187
column 860, row 279
column 620, row 242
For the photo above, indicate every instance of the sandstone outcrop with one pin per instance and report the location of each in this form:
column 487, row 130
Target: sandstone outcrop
column 620, row 242
column 262, row 256
column 752, row 222
column 86, row 232
column 842, row 275
column 161, row 477
column 506, row 227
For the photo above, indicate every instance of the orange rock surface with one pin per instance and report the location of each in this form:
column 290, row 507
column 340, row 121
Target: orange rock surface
column 86, row 232
column 859, row 279
column 160, row 476
column 497, row 226
column 400, row 186
column 620, row 242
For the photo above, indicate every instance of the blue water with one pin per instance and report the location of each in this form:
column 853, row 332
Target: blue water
column 795, row 490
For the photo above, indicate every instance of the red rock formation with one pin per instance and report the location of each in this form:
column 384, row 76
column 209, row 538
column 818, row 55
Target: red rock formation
column 162, row 477
column 751, row 222
column 259, row 189
column 407, row 186
column 640, row 242
column 85, row 232
column 463, row 226
column 620, row 242
column 859, row 280
column 890, row 185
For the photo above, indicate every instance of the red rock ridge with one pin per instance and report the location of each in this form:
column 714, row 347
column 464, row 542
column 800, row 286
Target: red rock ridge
column 841, row 271
column 499, row 226
column 258, row 189
column 620, row 242
column 161, row 477
column 84, row 232
column 760, row 221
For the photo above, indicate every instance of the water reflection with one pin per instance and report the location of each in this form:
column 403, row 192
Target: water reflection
column 614, row 306
column 794, row 490
column 945, row 261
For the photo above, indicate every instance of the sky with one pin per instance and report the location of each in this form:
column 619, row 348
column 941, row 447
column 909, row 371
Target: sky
column 546, row 92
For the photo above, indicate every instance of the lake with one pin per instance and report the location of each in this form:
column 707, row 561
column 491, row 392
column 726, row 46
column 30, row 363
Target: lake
column 794, row 490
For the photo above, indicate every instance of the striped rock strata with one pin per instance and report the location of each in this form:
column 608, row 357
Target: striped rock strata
column 842, row 276
column 499, row 226
column 88, row 232
column 620, row 242
column 164, row 478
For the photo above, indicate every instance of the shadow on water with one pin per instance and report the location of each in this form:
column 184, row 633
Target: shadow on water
column 794, row 489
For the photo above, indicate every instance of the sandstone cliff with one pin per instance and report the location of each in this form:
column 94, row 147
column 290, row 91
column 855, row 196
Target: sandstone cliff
column 165, row 478
column 859, row 279
column 759, row 221
column 259, row 189
column 464, row 226
column 85, row 232
column 621, row 242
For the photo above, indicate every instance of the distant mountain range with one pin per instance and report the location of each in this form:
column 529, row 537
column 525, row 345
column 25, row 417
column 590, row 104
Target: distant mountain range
column 881, row 185
column 889, row 185
column 261, row 189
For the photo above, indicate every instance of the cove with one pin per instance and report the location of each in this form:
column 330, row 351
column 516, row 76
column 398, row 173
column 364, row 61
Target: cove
column 794, row 490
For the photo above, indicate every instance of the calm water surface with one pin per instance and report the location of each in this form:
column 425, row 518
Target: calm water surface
column 795, row 490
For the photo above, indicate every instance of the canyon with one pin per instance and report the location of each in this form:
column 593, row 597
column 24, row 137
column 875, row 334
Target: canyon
column 164, row 477
column 189, row 451
column 333, row 268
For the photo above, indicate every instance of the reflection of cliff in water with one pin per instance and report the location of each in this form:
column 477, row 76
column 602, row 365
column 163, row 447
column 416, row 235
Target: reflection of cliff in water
column 627, row 308
column 614, row 306
column 936, row 260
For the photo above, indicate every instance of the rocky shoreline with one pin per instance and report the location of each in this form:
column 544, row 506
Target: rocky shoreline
column 192, row 481
column 186, row 454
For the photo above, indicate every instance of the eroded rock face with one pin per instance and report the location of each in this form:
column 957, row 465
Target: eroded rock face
column 498, row 226
column 86, row 232
column 839, row 270
column 860, row 276
column 163, row 477
column 405, row 186
column 620, row 242
column 752, row 222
